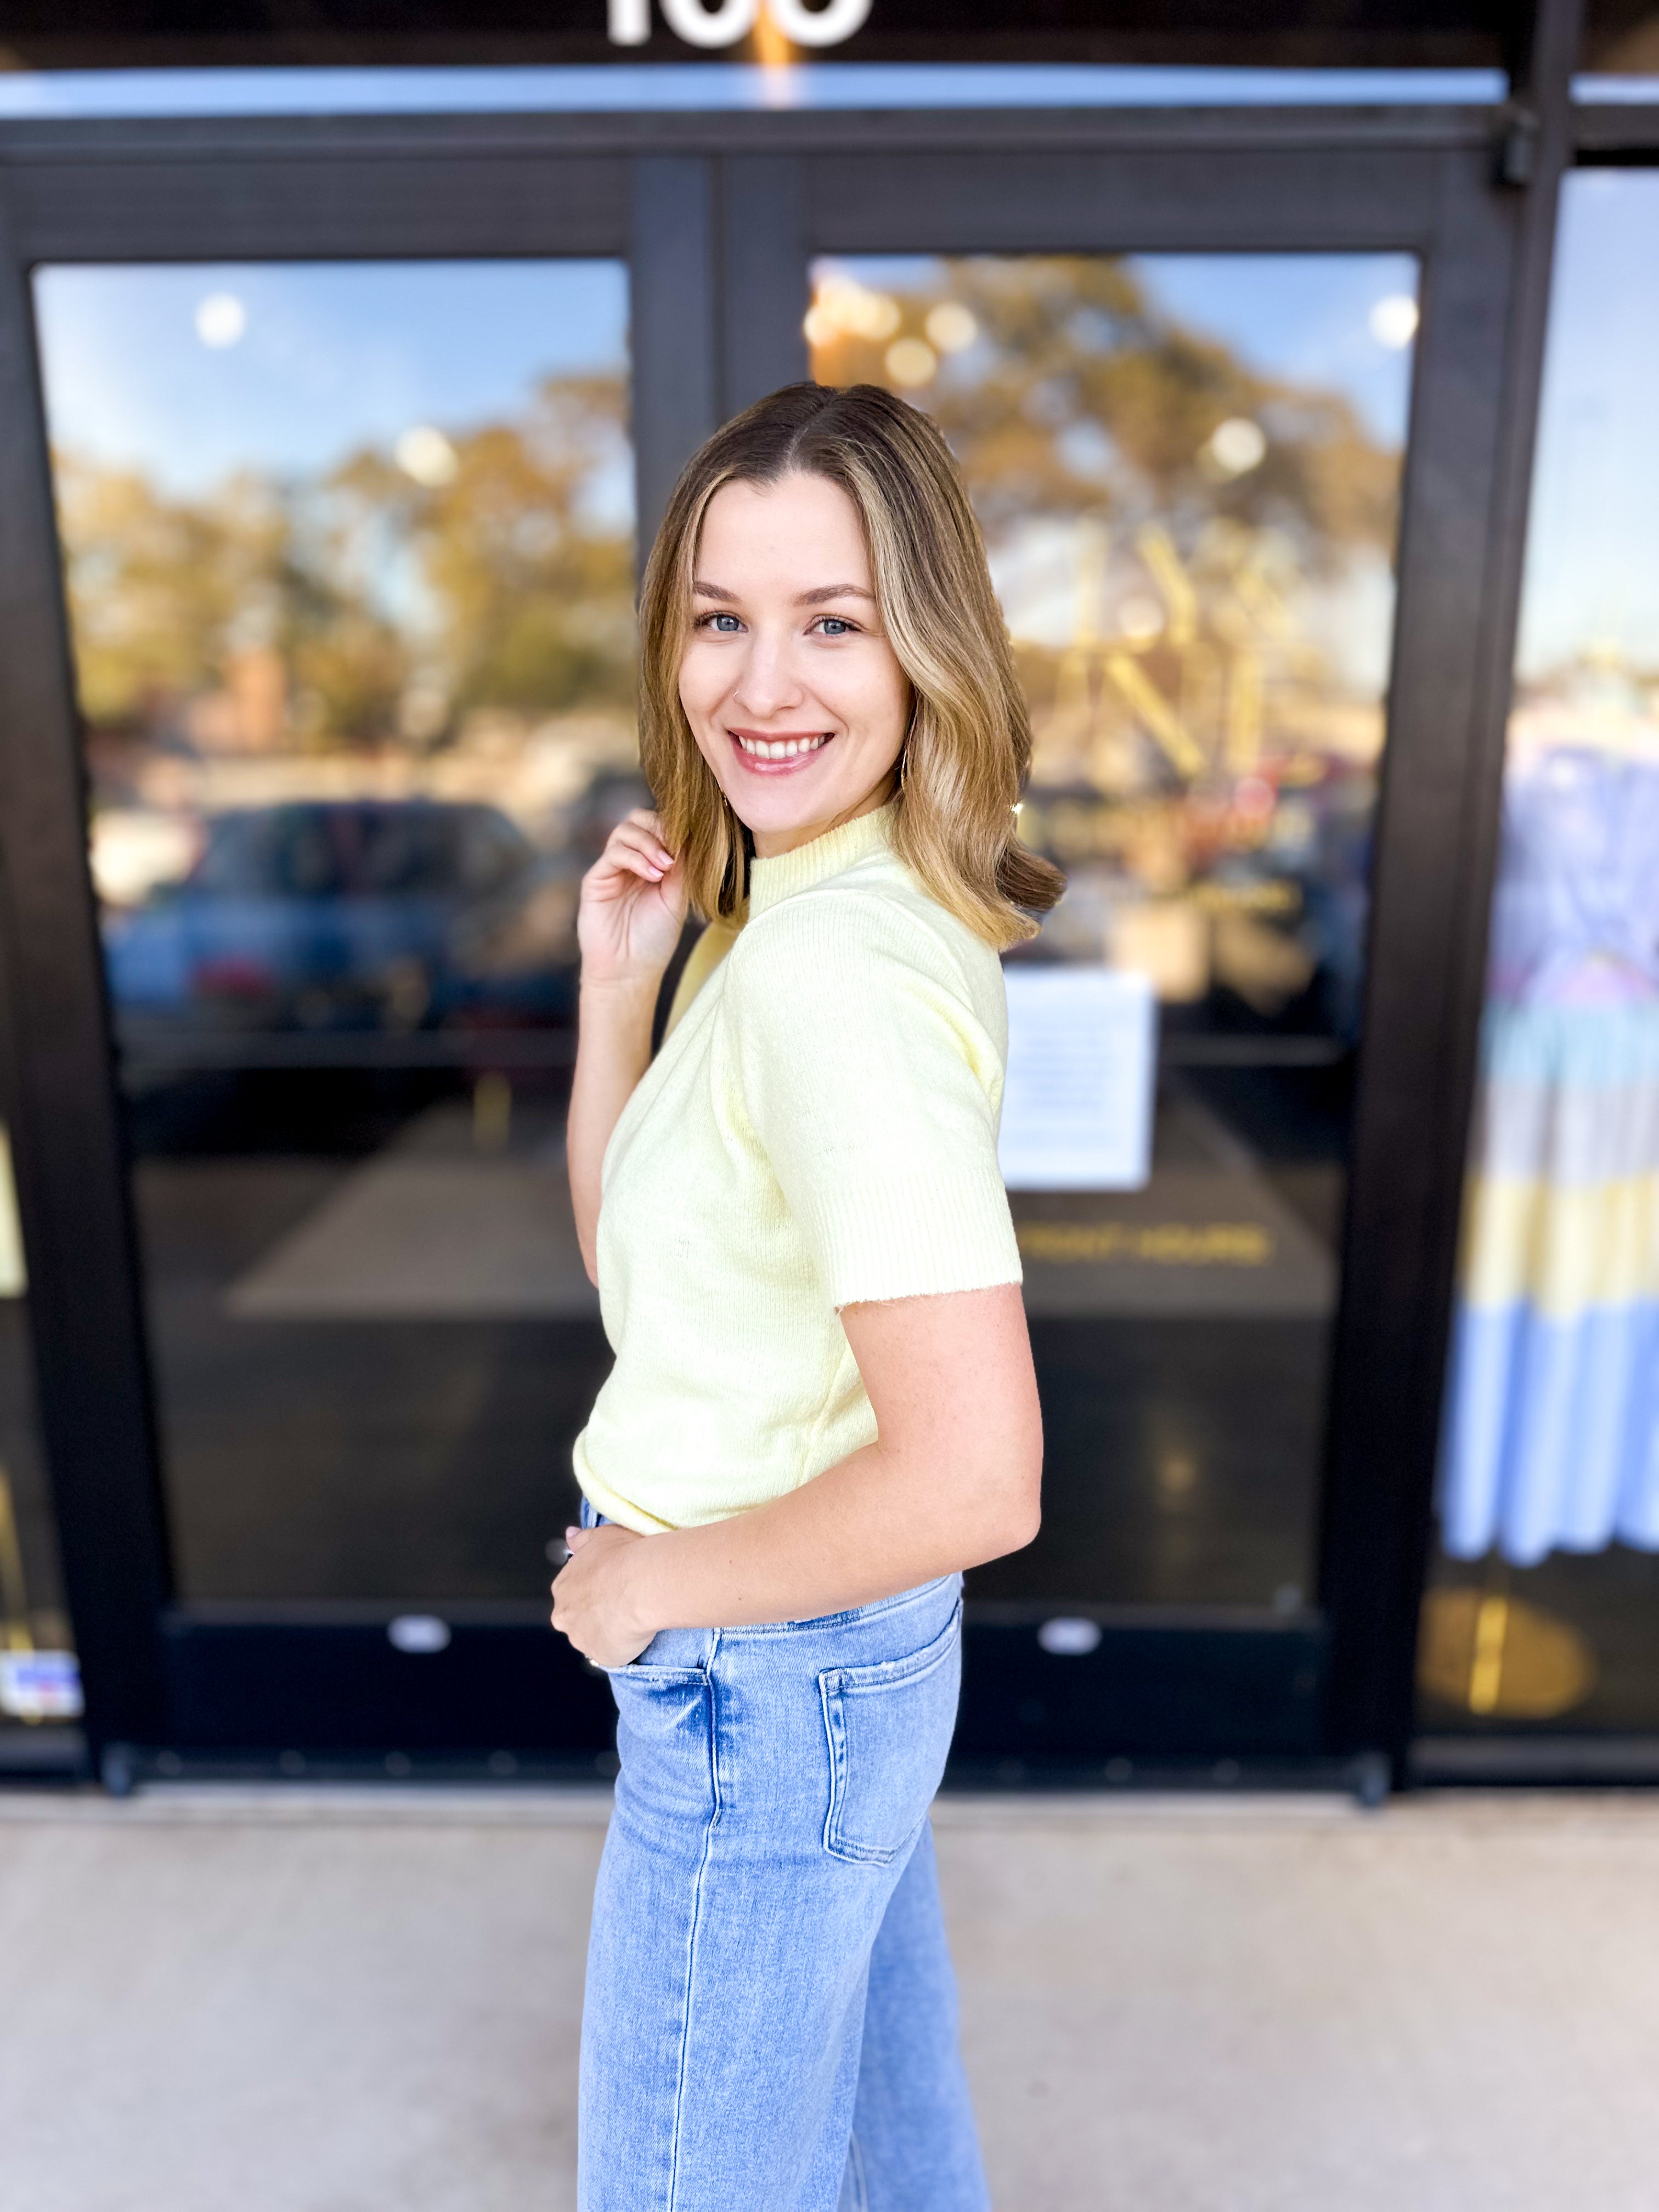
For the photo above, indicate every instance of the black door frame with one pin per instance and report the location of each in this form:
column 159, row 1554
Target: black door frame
column 1335, row 1683
column 720, row 216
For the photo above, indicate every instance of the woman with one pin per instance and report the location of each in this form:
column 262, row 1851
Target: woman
column 822, row 1407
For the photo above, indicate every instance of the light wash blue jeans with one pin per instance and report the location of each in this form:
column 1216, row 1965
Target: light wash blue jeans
column 770, row 2020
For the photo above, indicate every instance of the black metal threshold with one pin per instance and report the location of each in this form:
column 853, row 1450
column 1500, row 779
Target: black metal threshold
column 1593, row 1762
column 124, row 1768
column 1364, row 1776
column 47, row 1754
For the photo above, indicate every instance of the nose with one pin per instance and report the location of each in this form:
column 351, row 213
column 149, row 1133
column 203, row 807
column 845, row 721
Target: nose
column 767, row 683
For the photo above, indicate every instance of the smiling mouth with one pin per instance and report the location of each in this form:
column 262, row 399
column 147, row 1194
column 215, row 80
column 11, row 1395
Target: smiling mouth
column 777, row 755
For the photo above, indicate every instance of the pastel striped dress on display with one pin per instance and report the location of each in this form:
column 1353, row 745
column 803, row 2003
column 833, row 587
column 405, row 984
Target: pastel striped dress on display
column 1552, row 1427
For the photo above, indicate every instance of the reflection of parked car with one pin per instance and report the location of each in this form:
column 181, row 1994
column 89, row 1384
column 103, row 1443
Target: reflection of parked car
column 611, row 795
column 358, row 913
column 1255, row 884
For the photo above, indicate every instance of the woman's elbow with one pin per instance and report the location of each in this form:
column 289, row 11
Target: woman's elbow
column 1013, row 1503
column 1022, row 1522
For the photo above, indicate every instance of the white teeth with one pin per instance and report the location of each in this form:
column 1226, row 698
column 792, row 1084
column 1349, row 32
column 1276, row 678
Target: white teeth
column 782, row 748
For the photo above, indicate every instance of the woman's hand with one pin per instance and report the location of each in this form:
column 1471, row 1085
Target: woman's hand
column 633, row 904
column 633, row 909
column 953, row 1479
column 590, row 1596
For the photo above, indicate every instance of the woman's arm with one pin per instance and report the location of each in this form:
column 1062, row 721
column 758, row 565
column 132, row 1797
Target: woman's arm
column 632, row 909
column 952, row 1479
column 613, row 1049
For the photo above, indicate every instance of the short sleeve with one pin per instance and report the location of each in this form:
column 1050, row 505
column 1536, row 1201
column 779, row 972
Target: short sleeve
column 874, row 1089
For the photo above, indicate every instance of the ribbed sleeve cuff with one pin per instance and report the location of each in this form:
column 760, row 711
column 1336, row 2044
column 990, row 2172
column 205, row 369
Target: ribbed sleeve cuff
column 946, row 1231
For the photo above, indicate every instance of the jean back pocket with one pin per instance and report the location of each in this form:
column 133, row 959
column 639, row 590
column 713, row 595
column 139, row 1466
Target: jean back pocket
column 890, row 1729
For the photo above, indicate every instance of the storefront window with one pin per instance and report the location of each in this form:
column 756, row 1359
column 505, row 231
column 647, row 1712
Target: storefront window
column 1545, row 1606
column 349, row 559
column 1187, row 469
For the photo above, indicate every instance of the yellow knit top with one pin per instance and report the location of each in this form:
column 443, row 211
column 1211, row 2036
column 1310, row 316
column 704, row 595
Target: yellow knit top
column 819, row 1127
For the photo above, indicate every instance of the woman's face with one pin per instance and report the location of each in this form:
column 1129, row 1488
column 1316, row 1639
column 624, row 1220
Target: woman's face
column 795, row 697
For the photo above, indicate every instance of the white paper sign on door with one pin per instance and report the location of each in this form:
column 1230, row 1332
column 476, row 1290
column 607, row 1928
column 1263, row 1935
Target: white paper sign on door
column 1077, row 1106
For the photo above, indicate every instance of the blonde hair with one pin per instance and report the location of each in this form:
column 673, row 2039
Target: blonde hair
column 967, row 752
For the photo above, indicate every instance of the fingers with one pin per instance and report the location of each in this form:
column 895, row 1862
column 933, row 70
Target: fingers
column 637, row 845
column 618, row 862
column 574, row 1539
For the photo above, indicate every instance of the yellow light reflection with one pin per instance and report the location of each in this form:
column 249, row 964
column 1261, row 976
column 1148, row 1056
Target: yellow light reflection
column 776, row 57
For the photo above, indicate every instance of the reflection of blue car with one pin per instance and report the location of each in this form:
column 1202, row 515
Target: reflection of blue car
column 355, row 914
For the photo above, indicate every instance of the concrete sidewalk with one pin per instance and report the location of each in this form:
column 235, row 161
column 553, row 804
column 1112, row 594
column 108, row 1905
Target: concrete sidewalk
column 368, row 2002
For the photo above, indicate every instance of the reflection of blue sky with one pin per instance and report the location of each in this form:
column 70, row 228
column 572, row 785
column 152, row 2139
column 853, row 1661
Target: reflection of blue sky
column 334, row 356
column 1304, row 318
column 1593, row 546
column 623, row 85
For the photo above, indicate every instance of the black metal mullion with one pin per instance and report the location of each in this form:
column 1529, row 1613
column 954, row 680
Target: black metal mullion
column 311, row 145
column 1117, row 198
column 764, row 281
column 1406, row 1160
column 673, row 323
column 95, row 1399
column 1485, row 330
column 1617, row 132
column 343, row 201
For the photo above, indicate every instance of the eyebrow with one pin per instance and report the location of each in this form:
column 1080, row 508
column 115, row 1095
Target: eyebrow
column 813, row 598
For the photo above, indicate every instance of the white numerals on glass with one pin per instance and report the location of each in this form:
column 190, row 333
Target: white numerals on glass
column 728, row 20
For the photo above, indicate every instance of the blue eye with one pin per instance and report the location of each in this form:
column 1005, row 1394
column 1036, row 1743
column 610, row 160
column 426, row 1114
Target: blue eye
column 717, row 621
column 834, row 626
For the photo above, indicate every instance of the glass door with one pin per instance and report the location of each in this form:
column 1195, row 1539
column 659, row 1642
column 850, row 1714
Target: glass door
column 348, row 551
column 1187, row 468
column 350, row 560
column 1203, row 398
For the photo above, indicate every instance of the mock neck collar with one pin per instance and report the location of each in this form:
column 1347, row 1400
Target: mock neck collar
column 770, row 880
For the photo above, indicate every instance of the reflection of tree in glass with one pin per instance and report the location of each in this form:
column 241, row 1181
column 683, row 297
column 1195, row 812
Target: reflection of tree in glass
column 364, row 606
column 531, row 596
column 1075, row 391
column 158, row 586
column 1179, row 500
column 1162, row 518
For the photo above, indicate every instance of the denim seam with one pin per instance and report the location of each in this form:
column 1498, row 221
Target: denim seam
column 696, row 1922
column 860, row 2178
column 891, row 1673
column 881, row 1605
column 838, row 1684
column 838, row 1762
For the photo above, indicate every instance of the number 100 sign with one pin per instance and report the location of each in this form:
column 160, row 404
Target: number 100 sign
column 724, row 24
